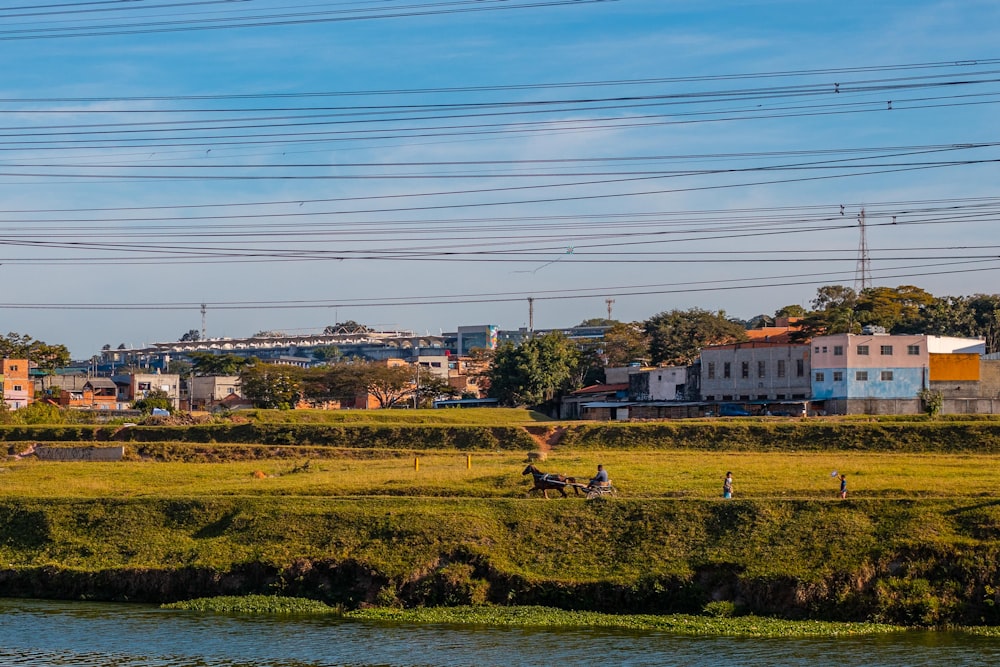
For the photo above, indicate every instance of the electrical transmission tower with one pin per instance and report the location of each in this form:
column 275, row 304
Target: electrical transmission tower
column 610, row 303
column 863, row 272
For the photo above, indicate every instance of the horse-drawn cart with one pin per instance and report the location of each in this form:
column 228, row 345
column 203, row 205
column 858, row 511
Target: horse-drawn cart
column 547, row 481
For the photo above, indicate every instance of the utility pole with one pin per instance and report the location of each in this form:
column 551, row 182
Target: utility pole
column 531, row 316
column 203, row 309
column 610, row 303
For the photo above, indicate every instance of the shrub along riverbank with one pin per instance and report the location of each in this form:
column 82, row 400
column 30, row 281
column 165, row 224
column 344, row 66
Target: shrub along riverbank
column 896, row 561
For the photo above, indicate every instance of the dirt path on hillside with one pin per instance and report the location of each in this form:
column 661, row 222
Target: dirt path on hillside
column 546, row 437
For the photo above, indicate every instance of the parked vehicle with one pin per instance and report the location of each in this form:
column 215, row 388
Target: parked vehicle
column 730, row 410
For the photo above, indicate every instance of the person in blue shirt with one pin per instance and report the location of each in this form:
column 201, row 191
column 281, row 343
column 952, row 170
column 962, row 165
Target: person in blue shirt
column 727, row 486
column 843, row 486
column 601, row 478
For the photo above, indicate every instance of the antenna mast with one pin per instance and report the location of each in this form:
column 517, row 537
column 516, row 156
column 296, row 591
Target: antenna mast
column 203, row 309
column 610, row 303
column 863, row 272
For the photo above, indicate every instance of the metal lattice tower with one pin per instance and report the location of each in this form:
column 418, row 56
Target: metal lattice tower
column 610, row 303
column 863, row 271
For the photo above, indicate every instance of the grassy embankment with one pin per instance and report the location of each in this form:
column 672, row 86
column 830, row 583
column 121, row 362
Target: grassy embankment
column 916, row 543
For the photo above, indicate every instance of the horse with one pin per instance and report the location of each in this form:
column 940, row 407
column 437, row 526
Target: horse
column 545, row 482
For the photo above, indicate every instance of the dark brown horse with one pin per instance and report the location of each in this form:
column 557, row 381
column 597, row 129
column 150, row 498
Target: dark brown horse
column 549, row 481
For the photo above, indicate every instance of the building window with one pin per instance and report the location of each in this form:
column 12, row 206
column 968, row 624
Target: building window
column 761, row 369
column 781, row 368
column 800, row 368
column 816, row 349
column 820, row 377
column 838, row 376
column 711, row 370
column 861, row 376
column 913, row 349
column 862, row 350
column 746, row 369
column 824, row 349
column 838, row 350
column 887, row 376
column 13, row 367
column 17, row 387
column 727, row 371
column 886, row 350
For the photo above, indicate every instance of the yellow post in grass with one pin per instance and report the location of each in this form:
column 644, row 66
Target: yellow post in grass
column 416, row 463
column 468, row 461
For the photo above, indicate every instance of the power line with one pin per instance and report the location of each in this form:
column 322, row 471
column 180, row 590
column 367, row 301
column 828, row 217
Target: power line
column 234, row 19
column 450, row 299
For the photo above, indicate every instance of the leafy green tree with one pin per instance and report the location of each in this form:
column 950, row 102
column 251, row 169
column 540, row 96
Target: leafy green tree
column 676, row 337
column 271, row 386
column 590, row 369
column 834, row 296
column 157, row 398
column 895, row 309
column 180, row 367
column 432, row 388
column 389, row 385
column 793, row 310
column 946, row 316
column 986, row 314
column 327, row 354
column 932, row 401
column 833, row 313
column 208, row 363
column 22, row 346
column 597, row 322
column 624, row 343
column 534, row 372
column 39, row 412
column 336, row 382
column 190, row 336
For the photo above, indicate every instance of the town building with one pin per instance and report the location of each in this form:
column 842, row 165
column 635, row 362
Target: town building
column 878, row 373
column 136, row 386
column 755, row 372
column 208, row 391
column 18, row 389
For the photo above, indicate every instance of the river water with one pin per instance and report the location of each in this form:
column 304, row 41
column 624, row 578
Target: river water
column 81, row 634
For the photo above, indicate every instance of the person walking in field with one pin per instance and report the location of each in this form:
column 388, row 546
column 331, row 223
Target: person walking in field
column 727, row 486
column 843, row 486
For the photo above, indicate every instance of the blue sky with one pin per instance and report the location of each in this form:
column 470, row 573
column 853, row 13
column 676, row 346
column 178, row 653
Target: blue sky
column 580, row 201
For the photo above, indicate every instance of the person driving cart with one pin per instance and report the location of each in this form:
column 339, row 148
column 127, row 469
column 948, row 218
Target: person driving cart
column 600, row 479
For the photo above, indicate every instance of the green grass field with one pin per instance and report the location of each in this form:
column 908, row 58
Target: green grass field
column 636, row 474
